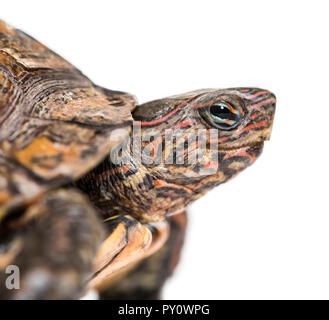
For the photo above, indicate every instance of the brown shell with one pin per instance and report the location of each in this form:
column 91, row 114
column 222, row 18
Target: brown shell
column 55, row 124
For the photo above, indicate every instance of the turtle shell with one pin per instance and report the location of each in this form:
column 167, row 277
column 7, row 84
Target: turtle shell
column 55, row 124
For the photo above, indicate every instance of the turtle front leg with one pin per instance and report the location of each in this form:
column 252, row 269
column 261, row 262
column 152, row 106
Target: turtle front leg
column 129, row 242
column 62, row 252
column 56, row 249
column 147, row 278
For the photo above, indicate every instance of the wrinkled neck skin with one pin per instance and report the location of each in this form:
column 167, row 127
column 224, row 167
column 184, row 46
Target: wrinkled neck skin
column 157, row 175
column 152, row 192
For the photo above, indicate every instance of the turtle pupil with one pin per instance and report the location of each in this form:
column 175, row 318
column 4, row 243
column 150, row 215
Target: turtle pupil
column 223, row 116
column 220, row 111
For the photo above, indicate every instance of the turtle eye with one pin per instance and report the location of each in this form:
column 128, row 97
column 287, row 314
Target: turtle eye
column 222, row 115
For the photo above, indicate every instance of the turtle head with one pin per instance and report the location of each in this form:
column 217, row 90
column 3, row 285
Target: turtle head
column 181, row 147
column 195, row 141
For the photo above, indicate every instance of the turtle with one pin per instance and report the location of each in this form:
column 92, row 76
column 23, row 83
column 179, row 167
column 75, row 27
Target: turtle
column 94, row 186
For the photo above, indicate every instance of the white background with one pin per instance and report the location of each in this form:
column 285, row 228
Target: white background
column 266, row 233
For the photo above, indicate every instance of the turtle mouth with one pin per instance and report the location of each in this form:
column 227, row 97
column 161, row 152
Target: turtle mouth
column 252, row 145
column 250, row 141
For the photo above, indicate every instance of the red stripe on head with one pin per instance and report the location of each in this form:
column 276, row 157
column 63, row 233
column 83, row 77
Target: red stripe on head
column 257, row 94
column 255, row 115
column 184, row 124
column 146, row 123
column 255, row 125
column 260, row 104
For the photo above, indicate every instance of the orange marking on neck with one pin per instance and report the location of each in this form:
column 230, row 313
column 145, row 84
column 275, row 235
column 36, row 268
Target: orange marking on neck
column 163, row 183
column 122, row 169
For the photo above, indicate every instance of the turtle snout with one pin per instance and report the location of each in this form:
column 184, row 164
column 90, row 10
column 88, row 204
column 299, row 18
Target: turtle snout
column 262, row 106
column 271, row 99
column 270, row 114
